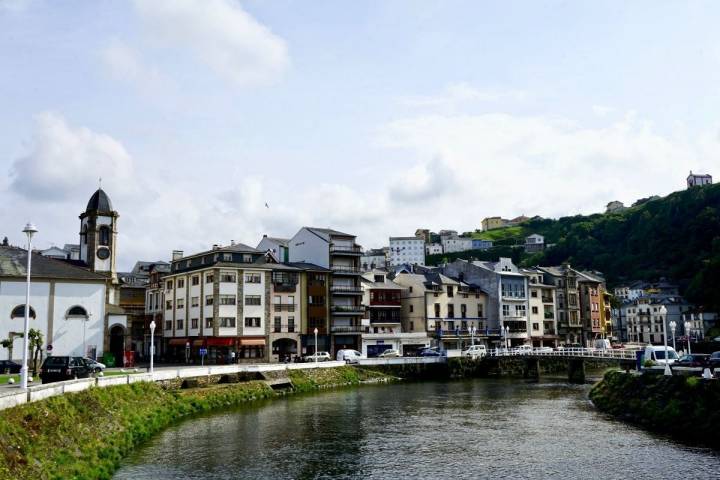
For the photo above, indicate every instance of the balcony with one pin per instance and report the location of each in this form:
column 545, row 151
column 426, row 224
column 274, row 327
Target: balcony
column 347, row 309
column 284, row 329
column 344, row 270
column 347, row 329
column 346, row 290
column 279, row 307
column 549, row 315
column 285, row 287
column 547, row 300
column 354, row 250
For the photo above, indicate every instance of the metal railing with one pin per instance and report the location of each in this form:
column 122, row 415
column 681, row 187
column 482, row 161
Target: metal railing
column 345, row 289
column 345, row 249
column 344, row 269
column 619, row 354
column 347, row 329
column 347, row 309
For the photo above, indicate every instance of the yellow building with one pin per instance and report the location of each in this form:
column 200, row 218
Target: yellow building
column 491, row 223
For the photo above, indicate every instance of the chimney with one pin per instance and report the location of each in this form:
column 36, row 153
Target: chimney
column 232, row 242
column 177, row 254
column 264, row 235
column 216, row 246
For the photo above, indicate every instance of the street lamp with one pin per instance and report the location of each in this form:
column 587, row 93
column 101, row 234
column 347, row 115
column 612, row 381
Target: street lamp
column 663, row 314
column 472, row 335
column 316, row 350
column 673, row 326
column 507, row 333
column 688, row 326
column 152, row 346
column 29, row 230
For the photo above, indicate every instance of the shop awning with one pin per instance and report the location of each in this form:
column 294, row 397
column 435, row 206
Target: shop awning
column 220, row 341
column 178, row 341
column 246, row 342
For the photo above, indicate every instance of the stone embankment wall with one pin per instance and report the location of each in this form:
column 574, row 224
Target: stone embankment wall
column 687, row 408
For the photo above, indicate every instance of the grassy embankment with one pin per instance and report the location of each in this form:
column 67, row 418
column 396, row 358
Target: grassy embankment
column 684, row 407
column 85, row 435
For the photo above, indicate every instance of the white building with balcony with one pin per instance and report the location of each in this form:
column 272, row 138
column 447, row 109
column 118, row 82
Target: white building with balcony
column 406, row 251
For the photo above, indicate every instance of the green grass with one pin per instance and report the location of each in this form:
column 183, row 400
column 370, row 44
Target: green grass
column 84, row 435
column 4, row 378
column 503, row 233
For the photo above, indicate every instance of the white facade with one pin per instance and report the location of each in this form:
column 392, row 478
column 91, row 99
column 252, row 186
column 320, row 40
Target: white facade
column 433, row 249
column 695, row 180
column 51, row 301
column 456, row 244
column 407, row 250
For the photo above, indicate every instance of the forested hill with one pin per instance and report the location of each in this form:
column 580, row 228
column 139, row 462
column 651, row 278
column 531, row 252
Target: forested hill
column 677, row 237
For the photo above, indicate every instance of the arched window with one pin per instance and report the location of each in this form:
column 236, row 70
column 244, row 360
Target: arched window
column 83, row 234
column 104, row 236
column 77, row 311
column 19, row 312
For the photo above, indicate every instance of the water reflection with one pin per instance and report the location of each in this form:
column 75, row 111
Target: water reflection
column 474, row 429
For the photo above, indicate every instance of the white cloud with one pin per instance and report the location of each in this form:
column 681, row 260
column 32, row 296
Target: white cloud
column 124, row 63
column 461, row 94
column 216, row 33
column 64, row 159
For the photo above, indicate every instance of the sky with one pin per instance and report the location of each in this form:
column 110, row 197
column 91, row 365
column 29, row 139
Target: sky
column 218, row 120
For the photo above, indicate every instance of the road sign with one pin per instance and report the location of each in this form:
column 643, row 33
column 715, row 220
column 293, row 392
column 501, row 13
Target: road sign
column 49, row 348
column 203, row 351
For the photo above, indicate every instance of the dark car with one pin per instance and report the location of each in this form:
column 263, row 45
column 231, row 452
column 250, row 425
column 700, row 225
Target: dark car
column 693, row 360
column 714, row 361
column 430, row 352
column 57, row 369
column 8, row 366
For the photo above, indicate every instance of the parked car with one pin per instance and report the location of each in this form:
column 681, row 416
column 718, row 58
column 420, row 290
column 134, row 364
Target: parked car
column 475, row 351
column 390, row 353
column 602, row 344
column 57, row 369
column 714, row 361
column 8, row 366
column 95, row 365
column 524, row 349
column 656, row 353
column 544, row 349
column 349, row 356
column 693, row 360
column 431, row 352
column 321, row 357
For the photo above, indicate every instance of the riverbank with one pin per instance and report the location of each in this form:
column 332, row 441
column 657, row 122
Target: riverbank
column 684, row 407
column 84, row 435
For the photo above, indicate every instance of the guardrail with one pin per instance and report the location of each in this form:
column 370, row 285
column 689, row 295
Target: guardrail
column 12, row 396
column 400, row 360
column 564, row 352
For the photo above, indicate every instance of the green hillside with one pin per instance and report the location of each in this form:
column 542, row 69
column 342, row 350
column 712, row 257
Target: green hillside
column 677, row 237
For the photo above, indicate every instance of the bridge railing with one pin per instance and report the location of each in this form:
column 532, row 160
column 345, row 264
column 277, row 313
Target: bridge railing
column 564, row 352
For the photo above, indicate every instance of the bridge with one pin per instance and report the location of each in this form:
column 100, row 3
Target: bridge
column 530, row 362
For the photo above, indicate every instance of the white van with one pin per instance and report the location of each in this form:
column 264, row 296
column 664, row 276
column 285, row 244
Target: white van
column 349, row 356
column 656, row 353
column 602, row 344
column 475, row 351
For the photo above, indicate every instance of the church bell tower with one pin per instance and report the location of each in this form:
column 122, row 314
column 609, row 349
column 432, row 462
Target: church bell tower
column 98, row 235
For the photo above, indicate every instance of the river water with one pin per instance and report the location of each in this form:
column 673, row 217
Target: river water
column 471, row 429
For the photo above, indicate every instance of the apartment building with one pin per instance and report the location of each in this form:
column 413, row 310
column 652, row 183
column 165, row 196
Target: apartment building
column 372, row 259
column 490, row 223
column 454, row 243
column 591, row 288
column 450, row 311
column 236, row 303
column 478, row 244
column 433, row 249
column 645, row 318
column 541, row 313
column 278, row 247
column 406, row 251
column 383, row 317
column 569, row 322
column 338, row 252
column 507, row 297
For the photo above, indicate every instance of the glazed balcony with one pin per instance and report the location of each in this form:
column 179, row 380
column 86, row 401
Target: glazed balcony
column 354, row 250
column 347, row 329
column 347, row 309
column 345, row 270
column 346, row 290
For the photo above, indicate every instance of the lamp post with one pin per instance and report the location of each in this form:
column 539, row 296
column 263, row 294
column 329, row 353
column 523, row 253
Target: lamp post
column 472, row 335
column 152, row 346
column 688, row 326
column 663, row 313
column 316, row 350
column 507, row 333
column 29, row 230
column 673, row 326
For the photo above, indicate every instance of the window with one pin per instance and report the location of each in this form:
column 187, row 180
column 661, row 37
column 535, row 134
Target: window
column 247, row 258
column 19, row 312
column 379, row 278
column 194, row 301
column 181, row 283
column 209, row 278
column 519, row 310
column 227, row 277
column 437, row 310
column 227, row 299
column 168, row 285
column 534, row 309
column 227, row 322
column 180, row 303
column 449, row 291
column 536, row 326
column 411, row 308
column 180, row 324
column 227, row 257
column 194, row 323
column 252, row 322
column 533, row 294
column 480, row 310
column 209, row 300
column 451, row 310
column 463, row 311
column 253, row 300
column 506, row 310
column 291, row 324
column 412, row 325
column 168, row 324
column 168, row 304
column 195, row 280
column 76, row 311
column 104, row 236
column 277, row 324
column 252, row 278
column 208, row 322
column 409, row 289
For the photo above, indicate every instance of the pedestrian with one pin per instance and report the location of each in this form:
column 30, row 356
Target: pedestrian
column 232, row 356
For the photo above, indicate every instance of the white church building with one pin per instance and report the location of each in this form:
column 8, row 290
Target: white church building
column 73, row 303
